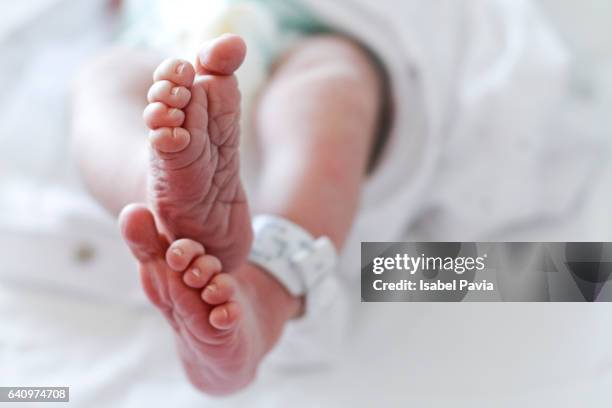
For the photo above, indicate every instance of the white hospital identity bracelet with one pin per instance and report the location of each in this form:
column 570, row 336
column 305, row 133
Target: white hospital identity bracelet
column 291, row 254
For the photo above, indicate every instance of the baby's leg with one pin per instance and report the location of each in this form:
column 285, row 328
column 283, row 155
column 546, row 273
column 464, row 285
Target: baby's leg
column 108, row 134
column 317, row 120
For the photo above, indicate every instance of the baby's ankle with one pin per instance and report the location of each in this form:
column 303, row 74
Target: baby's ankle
column 275, row 304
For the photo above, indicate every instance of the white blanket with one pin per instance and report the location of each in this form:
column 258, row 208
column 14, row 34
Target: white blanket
column 72, row 313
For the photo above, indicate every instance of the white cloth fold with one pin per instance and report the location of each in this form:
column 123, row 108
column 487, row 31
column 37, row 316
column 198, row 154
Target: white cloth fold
column 482, row 136
column 459, row 70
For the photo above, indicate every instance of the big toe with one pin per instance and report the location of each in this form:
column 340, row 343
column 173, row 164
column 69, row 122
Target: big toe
column 221, row 56
column 140, row 233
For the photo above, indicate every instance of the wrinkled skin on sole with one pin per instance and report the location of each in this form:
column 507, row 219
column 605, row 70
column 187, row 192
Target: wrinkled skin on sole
column 194, row 186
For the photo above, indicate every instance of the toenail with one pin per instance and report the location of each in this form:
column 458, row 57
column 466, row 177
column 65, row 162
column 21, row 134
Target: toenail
column 179, row 68
column 177, row 251
column 173, row 112
column 196, row 272
column 175, row 90
column 212, row 288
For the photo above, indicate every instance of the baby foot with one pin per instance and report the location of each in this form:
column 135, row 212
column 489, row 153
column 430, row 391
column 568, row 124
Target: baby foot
column 194, row 184
column 219, row 338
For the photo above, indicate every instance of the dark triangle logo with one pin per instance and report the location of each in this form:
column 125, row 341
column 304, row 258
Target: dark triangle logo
column 590, row 277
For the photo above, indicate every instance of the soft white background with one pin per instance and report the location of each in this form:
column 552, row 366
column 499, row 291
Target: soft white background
column 112, row 345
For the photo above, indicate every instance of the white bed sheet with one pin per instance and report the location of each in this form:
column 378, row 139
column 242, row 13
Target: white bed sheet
column 72, row 313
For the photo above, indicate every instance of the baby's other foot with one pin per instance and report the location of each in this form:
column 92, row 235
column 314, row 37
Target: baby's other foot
column 194, row 184
column 219, row 337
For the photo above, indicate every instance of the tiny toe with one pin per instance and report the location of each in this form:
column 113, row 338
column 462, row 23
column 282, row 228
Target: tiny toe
column 201, row 270
column 182, row 252
column 180, row 72
column 167, row 92
column 169, row 140
column 158, row 114
column 220, row 289
column 226, row 316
